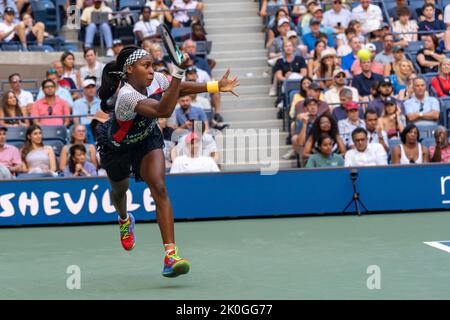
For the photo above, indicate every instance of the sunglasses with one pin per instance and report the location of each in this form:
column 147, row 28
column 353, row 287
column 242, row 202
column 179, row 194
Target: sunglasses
column 340, row 76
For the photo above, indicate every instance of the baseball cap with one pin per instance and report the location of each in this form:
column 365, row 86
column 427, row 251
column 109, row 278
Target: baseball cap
column 88, row 82
column 302, row 9
column 338, row 71
column 3, row 128
column 9, row 10
column 291, row 33
column 389, row 100
column 191, row 136
column 316, row 9
column 191, row 69
column 370, row 46
column 311, row 2
column 383, row 25
column 308, row 100
column 386, row 81
column 314, row 21
column 351, row 106
column 397, row 49
column 117, row 42
column 327, row 53
column 315, row 86
column 282, row 21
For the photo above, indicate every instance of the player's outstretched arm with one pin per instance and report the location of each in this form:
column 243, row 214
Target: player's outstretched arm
column 225, row 84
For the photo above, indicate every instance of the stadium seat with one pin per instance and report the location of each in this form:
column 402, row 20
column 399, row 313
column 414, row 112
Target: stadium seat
column 177, row 33
column 34, row 175
column 54, row 133
column 17, row 144
column 11, row 47
column 428, row 142
column 426, row 131
column 45, row 11
column 414, row 46
column 15, row 134
column 445, row 107
column 56, row 145
column 43, row 48
column 132, row 4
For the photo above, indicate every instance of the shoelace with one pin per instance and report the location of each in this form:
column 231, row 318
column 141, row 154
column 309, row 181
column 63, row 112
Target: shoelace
column 124, row 230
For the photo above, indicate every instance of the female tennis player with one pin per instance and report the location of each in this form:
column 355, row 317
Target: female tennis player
column 131, row 142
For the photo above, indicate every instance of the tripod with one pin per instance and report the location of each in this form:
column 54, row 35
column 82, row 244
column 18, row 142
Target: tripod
column 355, row 198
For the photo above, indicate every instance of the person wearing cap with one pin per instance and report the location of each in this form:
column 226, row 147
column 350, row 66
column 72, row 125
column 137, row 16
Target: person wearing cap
column 353, row 121
column 300, row 49
column 193, row 160
column 272, row 26
column 315, row 92
column 337, row 17
column 369, row 15
column 89, row 104
column 50, row 105
column 331, row 96
column 391, row 120
column 404, row 27
column 385, row 90
column 179, row 9
column 91, row 28
column 10, row 160
column 365, row 153
column 147, row 28
column 284, row 25
column 93, row 67
column 304, row 123
column 317, row 14
column 326, row 68
column 375, row 133
column 8, row 28
column 310, row 38
column 291, row 65
column 266, row 3
column 117, row 46
column 339, row 112
column 430, row 23
column 11, row 4
column 60, row 91
column 422, row 109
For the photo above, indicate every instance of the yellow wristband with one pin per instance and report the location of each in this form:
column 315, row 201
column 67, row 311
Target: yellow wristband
column 212, row 86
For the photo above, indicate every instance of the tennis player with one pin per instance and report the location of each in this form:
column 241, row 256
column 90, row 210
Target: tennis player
column 131, row 141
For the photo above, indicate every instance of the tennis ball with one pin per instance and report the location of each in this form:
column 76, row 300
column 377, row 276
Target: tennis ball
column 364, row 54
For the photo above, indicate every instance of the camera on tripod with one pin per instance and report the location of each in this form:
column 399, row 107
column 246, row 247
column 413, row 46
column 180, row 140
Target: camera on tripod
column 355, row 198
column 354, row 174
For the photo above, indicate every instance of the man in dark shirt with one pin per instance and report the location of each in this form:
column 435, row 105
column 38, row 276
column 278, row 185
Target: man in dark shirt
column 314, row 92
column 385, row 90
column 402, row 3
column 430, row 23
column 364, row 81
column 290, row 63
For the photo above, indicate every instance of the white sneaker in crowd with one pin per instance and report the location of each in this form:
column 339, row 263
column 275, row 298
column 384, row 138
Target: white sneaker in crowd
column 110, row 53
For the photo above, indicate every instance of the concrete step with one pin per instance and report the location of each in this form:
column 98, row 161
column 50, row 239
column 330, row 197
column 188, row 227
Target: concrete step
column 243, row 72
column 256, row 89
column 227, row 54
column 235, row 29
column 251, row 81
column 283, row 164
column 236, row 38
column 257, row 124
column 230, row 102
column 249, row 114
column 251, row 134
column 240, row 63
column 230, row 5
column 211, row 22
column 231, row 44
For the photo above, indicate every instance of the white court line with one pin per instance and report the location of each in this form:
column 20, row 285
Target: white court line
column 439, row 245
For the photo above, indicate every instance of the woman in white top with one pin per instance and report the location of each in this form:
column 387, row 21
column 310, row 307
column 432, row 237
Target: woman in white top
column 36, row 157
column 68, row 62
column 159, row 11
column 410, row 151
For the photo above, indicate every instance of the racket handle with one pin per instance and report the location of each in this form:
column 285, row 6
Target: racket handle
column 177, row 72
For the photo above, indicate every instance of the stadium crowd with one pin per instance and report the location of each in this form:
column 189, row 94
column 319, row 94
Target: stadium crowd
column 50, row 130
column 361, row 83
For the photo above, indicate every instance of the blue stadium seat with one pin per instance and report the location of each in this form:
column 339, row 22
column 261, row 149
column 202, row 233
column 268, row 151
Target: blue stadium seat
column 15, row 134
column 11, row 47
column 45, row 12
column 17, row 144
column 177, row 33
column 54, row 133
column 445, row 107
column 414, row 46
column 56, row 145
column 43, row 48
column 426, row 131
column 24, row 176
column 132, row 4
column 428, row 142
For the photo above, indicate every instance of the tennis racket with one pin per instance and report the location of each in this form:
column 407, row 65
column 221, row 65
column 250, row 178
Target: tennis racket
column 172, row 49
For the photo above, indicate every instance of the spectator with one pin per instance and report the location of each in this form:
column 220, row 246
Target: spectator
column 422, row 109
column 78, row 166
column 92, row 27
column 349, row 124
column 268, row 3
column 180, row 15
column 440, row 152
column 193, row 161
column 89, row 104
column 324, row 124
column 331, row 96
column 441, row 83
column 9, row 155
column 437, row 11
column 314, row 62
column 402, row 72
column 290, row 66
column 50, row 105
column 407, row 93
column 190, row 47
column 326, row 68
column 310, row 6
column 404, row 27
column 36, row 157
column 362, row 82
column 314, row 91
column 187, row 114
column 70, row 71
column 277, row 44
column 156, row 51
column 376, row 67
column 317, row 14
column 337, row 17
column 272, row 31
column 147, row 28
column 368, row 15
column 300, row 49
column 208, row 146
column 29, row 31
column 310, row 38
column 392, row 121
column 343, row 41
column 301, row 95
column 430, row 23
column 365, row 153
column 325, row 157
column 11, row 5
column 117, row 46
column 66, row 83
column 160, row 11
column 198, row 33
column 25, row 98
column 339, row 111
column 394, row 12
column 376, row 36
column 410, row 151
column 399, row 56
column 298, row 12
column 375, row 134
column 348, row 60
column 304, row 123
column 385, row 90
column 93, row 68
column 386, row 56
column 61, row 92
column 10, row 108
column 8, row 27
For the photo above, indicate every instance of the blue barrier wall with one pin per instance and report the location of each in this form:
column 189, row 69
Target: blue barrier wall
column 392, row 188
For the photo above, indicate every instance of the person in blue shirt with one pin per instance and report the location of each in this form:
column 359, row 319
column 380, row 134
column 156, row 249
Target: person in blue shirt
column 310, row 39
column 187, row 114
column 89, row 104
column 347, row 61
